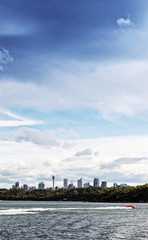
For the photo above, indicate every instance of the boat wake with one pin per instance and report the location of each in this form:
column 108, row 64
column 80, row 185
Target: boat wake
column 18, row 211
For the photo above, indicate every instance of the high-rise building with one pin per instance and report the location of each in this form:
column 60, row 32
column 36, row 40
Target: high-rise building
column 17, row 185
column 25, row 187
column 70, row 186
column 41, row 185
column 96, row 182
column 104, row 185
column 65, row 183
column 79, row 183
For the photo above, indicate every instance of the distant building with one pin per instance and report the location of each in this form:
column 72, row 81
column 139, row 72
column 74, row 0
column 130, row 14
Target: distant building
column 86, row 185
column 123, row 185
column 25, row 187
column 96, row 182
column 17, row 185
column 32, row 188
column 41, row 185
column 120, row 185
column 70, row 186
column 115, row 185
column 104, row 185
column 65, row 183
column 79, row 183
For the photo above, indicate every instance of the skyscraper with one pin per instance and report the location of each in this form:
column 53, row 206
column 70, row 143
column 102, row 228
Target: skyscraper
column 70, row 186
column 79, row 183
column 65, row 182
column 17, row 185
column 96, row 182
column 25, row 187
column 41, row 185
column 104, row 185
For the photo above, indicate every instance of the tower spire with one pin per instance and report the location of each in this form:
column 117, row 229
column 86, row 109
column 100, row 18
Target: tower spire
column 53, row 177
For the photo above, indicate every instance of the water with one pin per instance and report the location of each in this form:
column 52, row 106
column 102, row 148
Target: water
column 72, row 220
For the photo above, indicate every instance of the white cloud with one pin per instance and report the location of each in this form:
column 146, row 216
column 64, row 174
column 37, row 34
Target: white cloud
column 124, row 22
column 5, row 58
column 42, row 138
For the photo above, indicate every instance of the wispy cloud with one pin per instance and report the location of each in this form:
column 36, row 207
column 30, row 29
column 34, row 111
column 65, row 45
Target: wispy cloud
column 11, row 114
column 124, row 22
column 73, row 134
column 14, row 28
column 5, row 58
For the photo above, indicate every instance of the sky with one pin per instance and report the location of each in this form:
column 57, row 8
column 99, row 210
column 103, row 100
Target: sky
column 73, row 91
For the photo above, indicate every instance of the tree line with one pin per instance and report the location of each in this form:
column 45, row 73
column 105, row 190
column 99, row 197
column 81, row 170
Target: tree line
column 91, row 194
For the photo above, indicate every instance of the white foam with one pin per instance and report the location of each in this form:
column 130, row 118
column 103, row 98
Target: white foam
column 18, row 211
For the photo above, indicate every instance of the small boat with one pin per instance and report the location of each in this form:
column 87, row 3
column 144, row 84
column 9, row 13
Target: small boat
column 130, row 206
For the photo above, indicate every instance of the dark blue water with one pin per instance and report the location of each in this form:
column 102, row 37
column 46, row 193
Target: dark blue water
column 70, row 220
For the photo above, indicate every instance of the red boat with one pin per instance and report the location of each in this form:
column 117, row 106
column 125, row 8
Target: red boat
column 130, row 206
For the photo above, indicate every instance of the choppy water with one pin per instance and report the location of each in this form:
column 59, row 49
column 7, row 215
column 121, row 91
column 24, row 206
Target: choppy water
column 70, row 220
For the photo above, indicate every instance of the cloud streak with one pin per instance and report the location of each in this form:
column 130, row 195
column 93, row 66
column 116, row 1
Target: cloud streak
column 16, row 120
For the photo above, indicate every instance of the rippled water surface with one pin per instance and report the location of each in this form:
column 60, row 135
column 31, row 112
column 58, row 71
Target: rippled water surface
column 70, row 220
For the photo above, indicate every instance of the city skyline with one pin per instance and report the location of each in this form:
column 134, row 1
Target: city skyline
column 80, row 183
column 73, row 80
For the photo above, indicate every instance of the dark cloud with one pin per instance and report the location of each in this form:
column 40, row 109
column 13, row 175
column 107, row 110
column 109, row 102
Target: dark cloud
column 85, row 152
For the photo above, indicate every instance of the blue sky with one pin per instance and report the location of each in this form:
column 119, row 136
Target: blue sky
column 71, row 72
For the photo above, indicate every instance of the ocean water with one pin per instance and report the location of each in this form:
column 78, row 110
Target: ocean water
column 72, row 220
